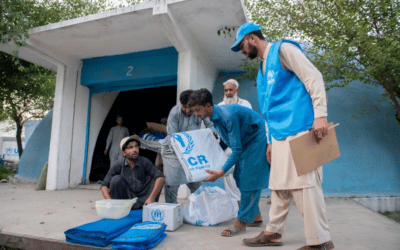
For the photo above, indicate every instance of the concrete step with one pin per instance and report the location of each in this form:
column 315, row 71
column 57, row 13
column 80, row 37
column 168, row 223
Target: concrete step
column 25, row 242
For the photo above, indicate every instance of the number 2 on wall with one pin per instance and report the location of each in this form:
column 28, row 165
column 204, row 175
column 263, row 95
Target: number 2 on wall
column 130, row 68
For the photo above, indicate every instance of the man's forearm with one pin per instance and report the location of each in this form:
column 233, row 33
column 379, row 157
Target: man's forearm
column 105, row 192
column 158, row 185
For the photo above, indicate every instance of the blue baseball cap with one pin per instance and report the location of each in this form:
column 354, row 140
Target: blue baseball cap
column 243, row 30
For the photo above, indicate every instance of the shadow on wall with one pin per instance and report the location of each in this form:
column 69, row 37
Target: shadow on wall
column 36, row 152
column 136, row 107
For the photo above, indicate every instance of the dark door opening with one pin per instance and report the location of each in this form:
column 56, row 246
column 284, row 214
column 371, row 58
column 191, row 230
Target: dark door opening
column 136, row 107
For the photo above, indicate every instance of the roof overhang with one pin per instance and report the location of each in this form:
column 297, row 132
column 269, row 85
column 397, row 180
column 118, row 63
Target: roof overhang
column 139, row 28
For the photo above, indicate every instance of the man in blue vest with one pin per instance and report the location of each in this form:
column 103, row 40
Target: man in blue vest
column 292, row 99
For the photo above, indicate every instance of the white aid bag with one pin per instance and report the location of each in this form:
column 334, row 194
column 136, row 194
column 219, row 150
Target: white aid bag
column 209, row 206
column 151, row 142
column 198, row 150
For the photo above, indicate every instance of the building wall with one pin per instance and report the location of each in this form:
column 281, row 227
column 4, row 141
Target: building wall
column 101, row 104
column 79, row 135
column 29, row 128
column 369, row 164
column 36, row 152
column 206, row 75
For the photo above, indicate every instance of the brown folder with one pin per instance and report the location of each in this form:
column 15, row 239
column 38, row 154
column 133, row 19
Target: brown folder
column 309, row 155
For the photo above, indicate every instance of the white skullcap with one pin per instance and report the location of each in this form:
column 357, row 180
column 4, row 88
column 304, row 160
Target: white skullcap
column 133, row 137
column 232, row 81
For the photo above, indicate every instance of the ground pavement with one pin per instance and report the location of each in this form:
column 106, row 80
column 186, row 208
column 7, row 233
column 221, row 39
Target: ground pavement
column 32, row 219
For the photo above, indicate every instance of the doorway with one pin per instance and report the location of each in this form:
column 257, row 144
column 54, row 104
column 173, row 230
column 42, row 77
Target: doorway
column 136, row 107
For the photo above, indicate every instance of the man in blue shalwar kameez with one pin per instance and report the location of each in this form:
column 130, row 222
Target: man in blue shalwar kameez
column 243, row 130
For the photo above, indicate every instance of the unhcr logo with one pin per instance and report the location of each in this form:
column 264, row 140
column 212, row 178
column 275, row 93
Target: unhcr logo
column 188, row 145
column 270, row 77
column 157, row 215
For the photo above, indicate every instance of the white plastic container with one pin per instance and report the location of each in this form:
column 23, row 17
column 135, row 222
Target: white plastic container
column 170, row 214
column 114, row 209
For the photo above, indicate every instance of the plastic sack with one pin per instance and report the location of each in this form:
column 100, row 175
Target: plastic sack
column 209, row 206
column 198, row 150
column 151, row 142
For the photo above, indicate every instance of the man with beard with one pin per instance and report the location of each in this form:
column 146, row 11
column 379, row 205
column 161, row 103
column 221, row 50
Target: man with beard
column 135, row 176
column 113, row 139
column 292, row 99
column 243, row 130
column 180, row 119
column 231, row 90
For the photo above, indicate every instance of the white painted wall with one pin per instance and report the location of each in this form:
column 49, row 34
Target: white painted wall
column 101, row 105
column 79, row 135
column 207, row 74
column 58, row 176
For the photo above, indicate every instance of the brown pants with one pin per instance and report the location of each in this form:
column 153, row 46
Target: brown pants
column 311, row 205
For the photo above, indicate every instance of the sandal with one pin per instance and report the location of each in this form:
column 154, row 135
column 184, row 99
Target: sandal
column 233, row 229
column 262, row 240
column 325, row 246
column 255, row 224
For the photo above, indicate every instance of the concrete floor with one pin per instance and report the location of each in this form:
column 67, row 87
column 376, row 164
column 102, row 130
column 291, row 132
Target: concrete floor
column 32, row 219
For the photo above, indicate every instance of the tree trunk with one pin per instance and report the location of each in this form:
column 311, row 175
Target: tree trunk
column 20, row 125
column 19, row 139
column 396, row 104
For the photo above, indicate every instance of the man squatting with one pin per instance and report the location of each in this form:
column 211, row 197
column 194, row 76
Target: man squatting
column 133, row 177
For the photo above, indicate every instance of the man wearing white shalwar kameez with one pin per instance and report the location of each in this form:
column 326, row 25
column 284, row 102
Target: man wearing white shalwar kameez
column 115, row 136
column 231, row 90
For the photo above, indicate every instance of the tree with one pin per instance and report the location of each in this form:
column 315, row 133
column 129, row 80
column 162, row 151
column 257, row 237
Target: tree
column 347, row 40
column 27, row 90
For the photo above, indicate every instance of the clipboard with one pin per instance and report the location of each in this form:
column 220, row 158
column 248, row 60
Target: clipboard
column 309, row 155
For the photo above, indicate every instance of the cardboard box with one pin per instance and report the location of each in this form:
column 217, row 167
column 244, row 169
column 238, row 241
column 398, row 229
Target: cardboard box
column 170, row 214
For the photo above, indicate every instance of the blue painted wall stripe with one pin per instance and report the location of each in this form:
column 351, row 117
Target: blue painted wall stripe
column 87, row 137
column 121, row 72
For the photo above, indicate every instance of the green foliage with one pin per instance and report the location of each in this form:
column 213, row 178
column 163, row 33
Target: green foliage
column 251, row 69
column 393, row 215
column 5, row 172
column 27, row 91
column 15, row 21
column 3, row 116
column 347, row 40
